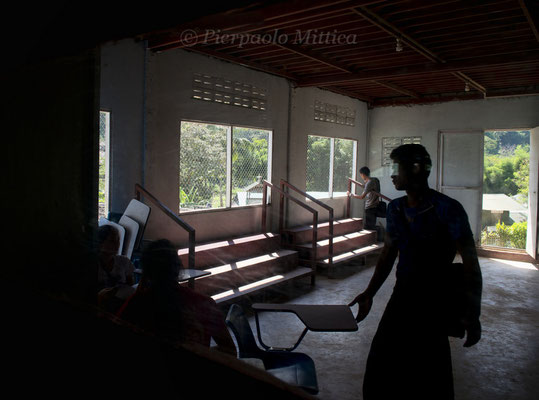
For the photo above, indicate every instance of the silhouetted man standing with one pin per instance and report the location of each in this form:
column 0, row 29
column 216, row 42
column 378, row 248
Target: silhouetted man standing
column 410, row 354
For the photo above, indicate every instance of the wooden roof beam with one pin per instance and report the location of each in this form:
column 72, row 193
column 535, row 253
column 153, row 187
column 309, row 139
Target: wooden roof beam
column 532, row 20
column 245, row 63
column 465, row 78
column 397, row 33
column 246, row 21
column 398, row 89
column 507, row 93
column 354, row 95
column 313, row 56
column 439, row 98
column 296, row 49
column 415, row 45
column 430, row 68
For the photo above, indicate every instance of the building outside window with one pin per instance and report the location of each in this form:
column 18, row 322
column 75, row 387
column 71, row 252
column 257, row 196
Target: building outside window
column 506, row 176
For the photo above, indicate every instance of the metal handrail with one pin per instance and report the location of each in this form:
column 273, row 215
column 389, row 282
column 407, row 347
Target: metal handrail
column 283, row 194
column 321, row 204
column 168, row 212
column 350, row 194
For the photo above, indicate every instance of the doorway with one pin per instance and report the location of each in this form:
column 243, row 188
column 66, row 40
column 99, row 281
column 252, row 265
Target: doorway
column 460, row 172
column 506, row 178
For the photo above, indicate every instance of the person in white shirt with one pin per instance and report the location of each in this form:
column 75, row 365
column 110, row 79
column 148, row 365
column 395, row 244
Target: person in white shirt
column 372, row 185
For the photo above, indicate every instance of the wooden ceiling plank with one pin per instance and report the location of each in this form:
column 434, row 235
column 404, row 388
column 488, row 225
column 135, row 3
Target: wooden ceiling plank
column 486, row 51
column 289, row 8
column 465, row 28
column 448, row 35
column 465, row 78
column 246, row 63
column 314, row 56
column 513, row 92
column 482, row 40
column 398, row 89
column 372, row 71
column 427, row 99
column 343, row 7
column 451, row 18
column 255, row 51
column 344, row 28
column 395, row 7
column 505, row 51
column 314, row 21
column 438, row 9
column 531, row 20
column 427, row 69
column 236, row 20
column 397, row 33
column 354, row 95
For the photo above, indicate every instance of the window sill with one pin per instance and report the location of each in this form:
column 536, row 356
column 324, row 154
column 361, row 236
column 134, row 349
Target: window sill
column 215, row 210
column 343, row 196
column 505, row 254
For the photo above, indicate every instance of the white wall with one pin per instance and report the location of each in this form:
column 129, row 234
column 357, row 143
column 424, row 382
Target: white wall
column 428, row 120
column 145, row 145
column 169, row 101
column 122, row 93
column 302, row 125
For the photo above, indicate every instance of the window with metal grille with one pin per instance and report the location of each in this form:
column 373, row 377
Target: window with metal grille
column 222, row 166
column 330, row 162
column 104, row 169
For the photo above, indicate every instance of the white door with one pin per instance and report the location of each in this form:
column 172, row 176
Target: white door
column 531, row 241
column 460, row 172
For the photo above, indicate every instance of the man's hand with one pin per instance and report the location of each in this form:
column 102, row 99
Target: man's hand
column 364, row 302
column 473, row 332
column 474, row 287
column 383, row 268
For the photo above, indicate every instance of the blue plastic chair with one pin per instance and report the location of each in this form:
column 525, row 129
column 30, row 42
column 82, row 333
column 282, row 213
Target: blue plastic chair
column 295, row 368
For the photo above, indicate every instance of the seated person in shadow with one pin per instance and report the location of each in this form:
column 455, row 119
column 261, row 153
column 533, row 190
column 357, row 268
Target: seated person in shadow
column 115, row 273
column 162, row 306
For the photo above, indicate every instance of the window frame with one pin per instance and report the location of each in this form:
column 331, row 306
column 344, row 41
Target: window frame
column 108, row 160
column 332, row 164
column 229, row 152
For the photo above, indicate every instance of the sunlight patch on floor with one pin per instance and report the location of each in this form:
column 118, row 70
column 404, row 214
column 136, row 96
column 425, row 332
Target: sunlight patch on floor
column 515, row 264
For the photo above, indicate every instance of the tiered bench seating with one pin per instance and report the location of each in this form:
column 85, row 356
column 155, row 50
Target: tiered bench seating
column 350, row 241
column 245, row 265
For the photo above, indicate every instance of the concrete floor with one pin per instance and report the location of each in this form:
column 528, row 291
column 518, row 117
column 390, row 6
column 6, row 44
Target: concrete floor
column 503, row 365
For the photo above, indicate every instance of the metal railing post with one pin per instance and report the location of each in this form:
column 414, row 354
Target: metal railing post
column 310, row 209
column 191, row 231
column 315, row 245
column 330, row 258
column 348, row 200
column 191, row 261
column 264, row 206
column 321, row 204
column 281, row 213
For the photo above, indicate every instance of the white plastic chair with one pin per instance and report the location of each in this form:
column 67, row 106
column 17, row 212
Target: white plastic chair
column 138, row 212
column 131, row 231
